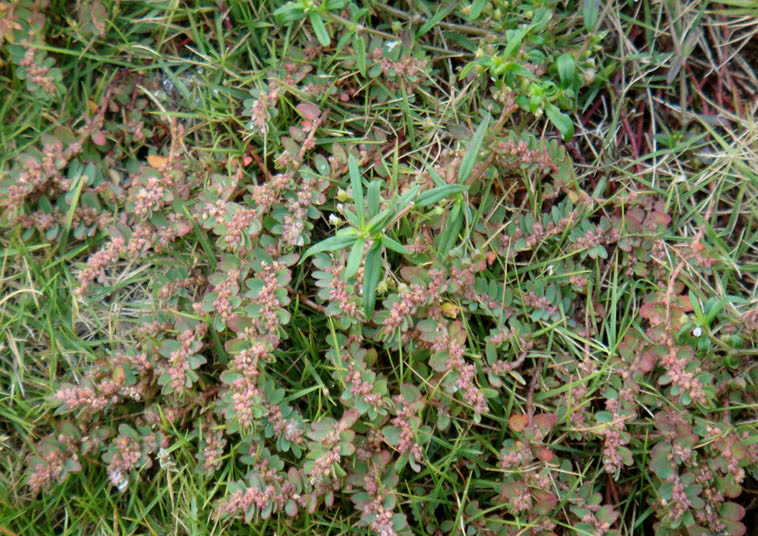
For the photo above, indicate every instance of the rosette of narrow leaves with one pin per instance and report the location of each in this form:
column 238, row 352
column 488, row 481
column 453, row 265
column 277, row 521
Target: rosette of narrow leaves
column 367, row 238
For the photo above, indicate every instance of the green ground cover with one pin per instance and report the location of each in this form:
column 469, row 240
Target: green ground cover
column 333, row 267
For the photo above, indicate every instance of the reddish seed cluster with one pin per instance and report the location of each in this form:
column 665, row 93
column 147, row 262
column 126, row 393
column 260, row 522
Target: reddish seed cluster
column 224, row 291
column 539, row 302
column 52, row 465
column 98, row 262
column 213, row 450
column 520, row 149
column 539, row 232
column 361, row 388
column 178, row 364
column 408, row 68
column 35, row 72
column 686, row 380
column 405, row 412
column 382, row 517
column 338, row 292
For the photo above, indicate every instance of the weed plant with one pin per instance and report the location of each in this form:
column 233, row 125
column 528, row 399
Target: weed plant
column 329, row 267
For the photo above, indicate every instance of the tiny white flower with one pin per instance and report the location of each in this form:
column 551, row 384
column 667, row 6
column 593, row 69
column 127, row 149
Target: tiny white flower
column 333, row 219
column 118, row 480
column 392, row 44
column 340, row 207
column 697, row 331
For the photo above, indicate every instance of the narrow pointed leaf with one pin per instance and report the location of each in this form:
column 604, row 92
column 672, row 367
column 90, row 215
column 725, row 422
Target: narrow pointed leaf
column 354, row 260
column 394, row 245
column 319, row 29
column 430, row 197
column 355, row 182
column 472, row 153
column 562, row 122
column 452, row 228
column 374, row 199
column 439, row 181
column 372, row 272
column 330, row 244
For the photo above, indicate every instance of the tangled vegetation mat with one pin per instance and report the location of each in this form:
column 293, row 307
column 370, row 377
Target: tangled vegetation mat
column 331, row 267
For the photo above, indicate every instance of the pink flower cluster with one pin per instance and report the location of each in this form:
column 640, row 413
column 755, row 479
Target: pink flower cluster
column 539, row 232
column 36, row 71
column 410, row 299
column 382, row 517
column 338, row 293
column 405, row 414
column 361, row 388
column 520, row 149
column 213, row 449
column 178, row 362
column 98, row 262
column 268, row 494
column 267, row 321
column 224, row 291
column 675, row 366
column 539, row 302
column 466, row 372
column 56, row 461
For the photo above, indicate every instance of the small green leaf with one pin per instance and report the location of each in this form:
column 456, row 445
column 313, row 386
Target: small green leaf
column 318, row 27
column 515, row 38
column 590, row 11
column 355, row 182
column 439, row 181
column 566, row 69
column 476, row 9
column 436, row 18
column 430, row 197
column 394, row 245
column 452, row 228
column 472, row 153
column 391, row 435
column 330, row 244
column 354, row 260
column 169, row 347
column 374, row 199
column 372, row 271
column 289, row 12
column 359, row 45
column 562, row 122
